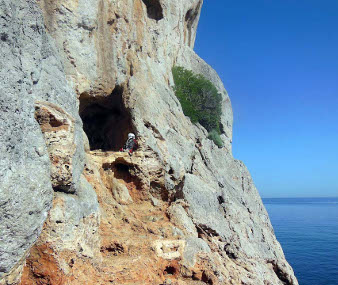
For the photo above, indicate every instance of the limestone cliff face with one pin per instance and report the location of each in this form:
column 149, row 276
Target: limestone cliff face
column 77, row 77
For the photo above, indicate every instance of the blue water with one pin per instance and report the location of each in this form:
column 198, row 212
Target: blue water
column 307, row 229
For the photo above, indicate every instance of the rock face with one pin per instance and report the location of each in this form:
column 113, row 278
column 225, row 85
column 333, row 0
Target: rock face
column 178, row 211
column 31, row 71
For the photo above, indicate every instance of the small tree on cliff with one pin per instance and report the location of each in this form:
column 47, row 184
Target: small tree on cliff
column 200, row 101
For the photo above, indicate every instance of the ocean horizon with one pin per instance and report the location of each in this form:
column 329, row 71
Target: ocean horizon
column 307, row 229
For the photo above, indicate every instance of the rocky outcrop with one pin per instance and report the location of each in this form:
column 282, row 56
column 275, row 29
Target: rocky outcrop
column 30, row 71
column 178, row 211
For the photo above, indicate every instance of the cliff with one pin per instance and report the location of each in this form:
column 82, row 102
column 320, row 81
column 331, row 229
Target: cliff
column 76, row 77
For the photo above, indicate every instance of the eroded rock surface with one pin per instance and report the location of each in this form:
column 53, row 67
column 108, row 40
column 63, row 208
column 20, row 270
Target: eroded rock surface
column 178, row 211
column 30, row 71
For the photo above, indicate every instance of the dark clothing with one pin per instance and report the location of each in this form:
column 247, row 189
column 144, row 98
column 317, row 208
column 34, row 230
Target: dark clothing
column 130, row 145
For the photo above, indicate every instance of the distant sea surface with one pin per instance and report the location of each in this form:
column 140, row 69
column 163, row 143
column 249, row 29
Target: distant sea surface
column 307, row 229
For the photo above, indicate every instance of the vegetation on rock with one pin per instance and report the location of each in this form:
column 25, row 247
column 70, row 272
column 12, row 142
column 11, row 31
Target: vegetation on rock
column 200, row 101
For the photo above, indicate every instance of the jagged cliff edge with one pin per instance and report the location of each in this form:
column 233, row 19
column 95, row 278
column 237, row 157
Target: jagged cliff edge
column 75, row 211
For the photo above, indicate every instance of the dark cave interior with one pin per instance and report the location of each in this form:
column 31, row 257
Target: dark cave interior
column 106, row 121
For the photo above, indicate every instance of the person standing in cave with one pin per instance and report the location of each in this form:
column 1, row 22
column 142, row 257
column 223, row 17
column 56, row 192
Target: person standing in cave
column 131, row 144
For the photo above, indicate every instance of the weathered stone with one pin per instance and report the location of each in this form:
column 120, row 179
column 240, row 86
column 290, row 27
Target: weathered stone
column 30, row 71
column 58, row 130
column 121, row 193
column 179, row 217
column 193, row 247
column 169, row 249
column 116, row 66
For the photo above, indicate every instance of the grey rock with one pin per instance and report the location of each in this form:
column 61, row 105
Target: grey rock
column 179, row 217
column 74, row 220
column 178, row 233
column 121, row 193
column 154, row 201
column 203, row 204
column 30, row 71
column 193, row 247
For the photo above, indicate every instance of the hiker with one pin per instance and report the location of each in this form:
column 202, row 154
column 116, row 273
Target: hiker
column 130, row 145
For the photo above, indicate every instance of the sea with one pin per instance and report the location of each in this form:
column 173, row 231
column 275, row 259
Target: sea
column 307, row 229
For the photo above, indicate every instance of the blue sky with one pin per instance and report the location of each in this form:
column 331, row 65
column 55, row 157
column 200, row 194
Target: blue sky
column 278, row 60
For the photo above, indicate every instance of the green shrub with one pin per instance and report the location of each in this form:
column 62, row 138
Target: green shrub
column 200, row 101
column 214, row 135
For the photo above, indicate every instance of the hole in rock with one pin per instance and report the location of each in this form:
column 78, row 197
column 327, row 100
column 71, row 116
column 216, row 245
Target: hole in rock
column 106, row 121
column 169, row 270
column 124, row 171
column 154, row 9
column 190, row 21
column 220, row 199
column 206, row 279
column 4, row 37
column 130, row 175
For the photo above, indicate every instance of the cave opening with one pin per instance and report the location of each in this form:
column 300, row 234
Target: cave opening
column 170, row 270
column 190, row 22
column 124, row 171
column 106, row 121
column 154, row 9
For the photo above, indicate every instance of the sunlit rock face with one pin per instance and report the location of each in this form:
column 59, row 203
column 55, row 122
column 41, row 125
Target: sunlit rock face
column 31, row 71
column 79, row 76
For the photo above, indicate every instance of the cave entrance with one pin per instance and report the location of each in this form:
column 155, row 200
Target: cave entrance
column 154, row 9
column 106, row 121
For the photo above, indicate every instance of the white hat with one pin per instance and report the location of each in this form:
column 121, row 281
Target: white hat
column 131, row 136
